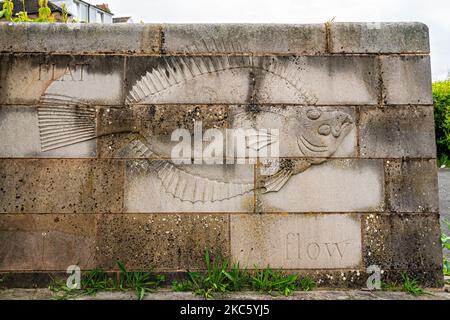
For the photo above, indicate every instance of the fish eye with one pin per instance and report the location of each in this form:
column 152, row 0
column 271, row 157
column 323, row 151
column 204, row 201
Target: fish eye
column 324, row 130
column 313, row 114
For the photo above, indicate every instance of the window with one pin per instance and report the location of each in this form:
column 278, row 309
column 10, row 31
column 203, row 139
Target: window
column 81, row 11
column 99, row 17
column 77, row 9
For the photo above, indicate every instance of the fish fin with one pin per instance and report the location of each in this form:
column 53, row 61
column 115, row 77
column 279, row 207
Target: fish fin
column 260, row 140
column 277, row 181
column 53, row 99
column 186, row 186
column 136, row 148
column 181, row 70
column 64, row 121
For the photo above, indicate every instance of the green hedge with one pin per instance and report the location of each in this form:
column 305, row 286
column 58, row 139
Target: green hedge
column 441, row 98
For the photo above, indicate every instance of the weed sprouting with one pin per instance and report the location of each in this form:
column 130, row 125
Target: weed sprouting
column 410, row 286
column 97, row 280
column 306, row 283
column 140, row 282
column 268, row 281
column 445, row 240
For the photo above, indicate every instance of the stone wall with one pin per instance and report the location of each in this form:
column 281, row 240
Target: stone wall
column 86, row 177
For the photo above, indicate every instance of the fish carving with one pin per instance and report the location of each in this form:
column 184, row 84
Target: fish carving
column 312, row 134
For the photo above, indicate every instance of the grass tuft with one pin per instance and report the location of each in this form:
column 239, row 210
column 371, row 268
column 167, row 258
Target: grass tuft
column 97, row 280
column 410, row 286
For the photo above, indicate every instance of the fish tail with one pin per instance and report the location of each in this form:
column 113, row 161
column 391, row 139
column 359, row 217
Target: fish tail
column 64, row 125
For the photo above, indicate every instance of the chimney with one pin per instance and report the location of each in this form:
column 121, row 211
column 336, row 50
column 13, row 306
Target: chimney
column 104, row 7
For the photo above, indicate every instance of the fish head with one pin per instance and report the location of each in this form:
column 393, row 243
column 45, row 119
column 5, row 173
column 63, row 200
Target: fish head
column 320, row 132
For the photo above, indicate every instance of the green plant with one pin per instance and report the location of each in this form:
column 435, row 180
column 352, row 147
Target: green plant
column 407, row 285
column 61, row 291
column 44, row 12
column 97, row 280
column 268, row 281
column 181, row 286
column 218, row 278
column 441, row 100
column 215, row 279
column 65, row 13
column 237, row 278
column 3, row 279
column 141, row 282
column 445, row 240
column 306, row 283
column 7, row 10
column 390, row 286
column 410, row 285
column 22, row 16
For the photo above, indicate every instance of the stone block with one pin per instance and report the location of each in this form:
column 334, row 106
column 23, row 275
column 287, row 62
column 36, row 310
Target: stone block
column 406, row 242
column 412, row 185
column 62, row 79
column 50, row 242
column 21, row 137
column 165, row 242
column 406, row 79
column 332, row 186
column 153, row 186
column 80, row 38
column 379, row 37
column 60, row 186
column 248, row 38
column 296, row 241
column 395, row 132
column 323, row 80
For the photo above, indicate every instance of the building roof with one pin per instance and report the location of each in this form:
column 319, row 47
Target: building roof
column 103, row 7
column 32, row 6
column 121, row 19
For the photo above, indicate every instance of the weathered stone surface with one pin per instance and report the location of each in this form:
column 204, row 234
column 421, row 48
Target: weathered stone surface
column 163, row 242
column 19, row 129
column 80, row 38
column 302, row 131
column 395, row 132
column 323, row 294
column 347, row 100
column 153, row 125
column 411, row 185
column 159, row 186
column 407, row 242
column 406, row 79
column 60, row 186
column 296, row 241
column 333, row 186
column 225, row 79
column 61, row 79
column 379, row 37
column 47, row 242
column 248, row 38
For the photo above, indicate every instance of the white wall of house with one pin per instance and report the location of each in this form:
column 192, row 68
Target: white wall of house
column 84, row 12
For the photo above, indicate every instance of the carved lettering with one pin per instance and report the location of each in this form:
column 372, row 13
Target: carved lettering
column 295, row 245
column 70, row 72
column 313, row 250
column 338, row 247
